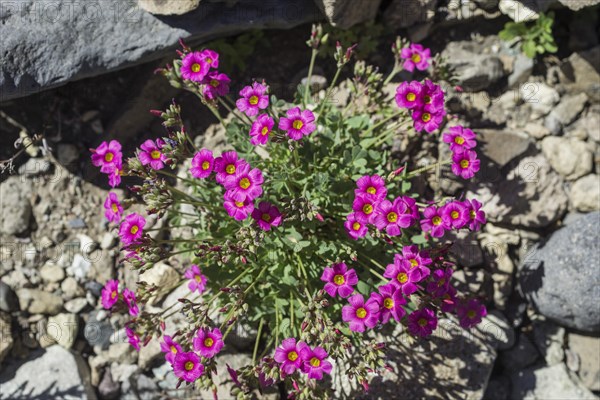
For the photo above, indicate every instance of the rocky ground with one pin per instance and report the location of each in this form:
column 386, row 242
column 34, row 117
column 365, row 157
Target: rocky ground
column 536, row 262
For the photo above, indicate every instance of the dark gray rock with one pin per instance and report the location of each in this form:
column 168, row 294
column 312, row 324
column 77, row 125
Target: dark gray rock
column 90, row 38
column 98, row 333
column 108, row 389
column 6, row 338
column 560, row 277
column 475, row 69
column 523, row 354
column 345, row 13
column 501, row 147
column 8, row 298
column 402, row 13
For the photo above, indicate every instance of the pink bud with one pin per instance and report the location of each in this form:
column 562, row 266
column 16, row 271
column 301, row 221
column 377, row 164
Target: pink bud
column 295, row 385
column 398, row 171
column 163, row 326
column 156, row 113
column 458, row 88
column 365, row 385
column 319, row 217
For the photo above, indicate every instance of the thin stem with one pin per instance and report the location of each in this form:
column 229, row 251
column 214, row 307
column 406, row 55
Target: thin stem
column 260, row 326
column 244, row 118
column 313, row 56
column 418, row 171
column 395, row 70
column 216, row 114
column 380, row 123
column 177, row 177
column 329, row 90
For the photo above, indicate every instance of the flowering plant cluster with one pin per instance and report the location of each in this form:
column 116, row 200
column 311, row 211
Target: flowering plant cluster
column 304, row 228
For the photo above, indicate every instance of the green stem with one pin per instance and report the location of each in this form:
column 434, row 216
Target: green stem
column 313, row 56
column 395, row 70
column 418, row 171
column 216, row 114
column 177, row 177
column 244, row 118
column 260, row 326
column 380, row 123
column 329, row 90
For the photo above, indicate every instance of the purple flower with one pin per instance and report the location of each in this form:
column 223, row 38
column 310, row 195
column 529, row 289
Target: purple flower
column 411, row 215
column 110, row 294
column 459, row 137
column 151, row 154
column 260, row 130
column 340, row 280
column 227, row 165
column 288, row 355
column 107, row 156
column 211, row 58
column 208, row 342
column 170, row 348
column 415, row 56
column 465, row 163
column 391, row 217
column 428, row 121
column 402, row 276
column 476, row 214
column 422, row 322
column 133, row 338
column 372, row 187
column 130, row 300
column 239, row 210
column 216, row 84
column 433, row 97
column 364, row 209
column 197, row 280
column 355, row 228
column 470, row 313
column 448, row 303
column 416, row 259
column 253, row 98
column 267, row 215
column 433, row 222
column 455, row 214
column 409, row 95
column 440, row 282
column 245, row 184
column 360, row 314
column 202, row 164
column 390, row 302
column 194, row 67
column 114, row 178
column 314, row 362
column 113, row 208
column 298, row 123
column 187, row 366
column 131, row 228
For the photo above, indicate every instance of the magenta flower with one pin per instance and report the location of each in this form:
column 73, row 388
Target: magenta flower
column 402, row 276
column 113, row 208
column 365, row 209
column 427, row 121
column 415, row 56
column 288, row 355
column 476, row 214
column 391, row 217
column 216, row 85
column 267, row 215
column 455, row 214
column 130, row 300
column 245, row 184
column 371, row 187
column 202, row 164
column 254, row 97
column 440, row 282
column 194, row 67
column 411, row 215
column 208, row 342
column 150, row 154
column 433, row 97
column 107, row 156
column 459, row 137
column 449, row 301
column 355, row 228
column 298, row 123
column 197, row 280
column 133, row 338
column 260, row 130
column 422, row 322
column 409, row 95
column 314, row 362
column 390, row 302
column 433, row 222
column 227, row 165
column 131, row 228
column 360, row 314
column 470, row 313
column 110, row 294
column 339, row 280
column 239, row 210
column 114, row 178
column 465, row 163
column 170, row 348
column 211, row 58
column 416, row 259
column 187, row 366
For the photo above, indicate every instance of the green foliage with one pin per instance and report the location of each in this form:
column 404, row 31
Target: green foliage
column 534, row 37
column 236, row 50
column 367, row 36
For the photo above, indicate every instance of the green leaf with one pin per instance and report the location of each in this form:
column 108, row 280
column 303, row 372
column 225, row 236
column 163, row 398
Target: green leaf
column 419, row 239
column 551, row 47
column 529, row 48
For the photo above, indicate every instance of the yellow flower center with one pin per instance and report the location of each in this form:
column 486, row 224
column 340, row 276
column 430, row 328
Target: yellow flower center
column 239, row 204
column 411, row 96
column 155, row 154
column 264, row 130
column 427, row 99
column 367, row 209
column 292, row 356
column 253, row 100
column 195, row 67
column 198, row 278
column 371, row 190
column 115, row 208
column 464, row 164
column 416, row 58
column 436, row 220
column 426, row 117
column 356, row 226
column 266, row 217
column 454, row 214
column 422, row 322
column 205, row 165
column 189, row 366
column 361, row 313
column 392, row 217
column 208, row 342
column 388, row 303
column 472, row 214
column 471, row 314
column 413, row 262
column 214, row 83
column 402, row 277
column 134, row 229
column 315, row 362
column 113, row 294
column 208, row 60
column 459, row 140
column 230, row 169
column 441, row 282
column 245, row 183
column 297, row 124
column 339, row 279
column 173, row 349
column 109, row 157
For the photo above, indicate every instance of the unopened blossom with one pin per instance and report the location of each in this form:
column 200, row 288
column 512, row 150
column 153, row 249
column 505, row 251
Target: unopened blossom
column 422, row 322
column 465, row 163
column 476, row 214
column 360, row 314
column 132, row 228
column 354, row 227
column 194, row 67
column 253, row 98
column 197, row 281
column 238, row 210
column 227, row 164
column 459, row 137
column 314, row 362
column 170, row 347
column 245, row 184
column 427, row 121
column 202, row 164
column 133, row 338
column 416, row 259
column 113, row 208
column 208, row 342
column 390, row 300
column 288, row 355
column 415, row 56
column 409, row 95
column 470, row 313
column 455, row 214
column 260, row 130
column 372, row 187
column 267, row 215
column 297, row 123
column 216, row 84
column 107, row 156
column 110, row 294
column 339, row 280
column 433, row 222
column 130, row 300
column 187, row 366
column 402, row 276
column 151, row 154
column 365, row 209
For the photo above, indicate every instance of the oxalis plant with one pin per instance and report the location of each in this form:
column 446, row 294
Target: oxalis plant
column 307, row 230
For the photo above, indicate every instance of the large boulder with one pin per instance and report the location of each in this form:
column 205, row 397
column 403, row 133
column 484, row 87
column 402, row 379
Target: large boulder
column 547, row 383
column 560, row 277
column 476, row 68
column 345, row 13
